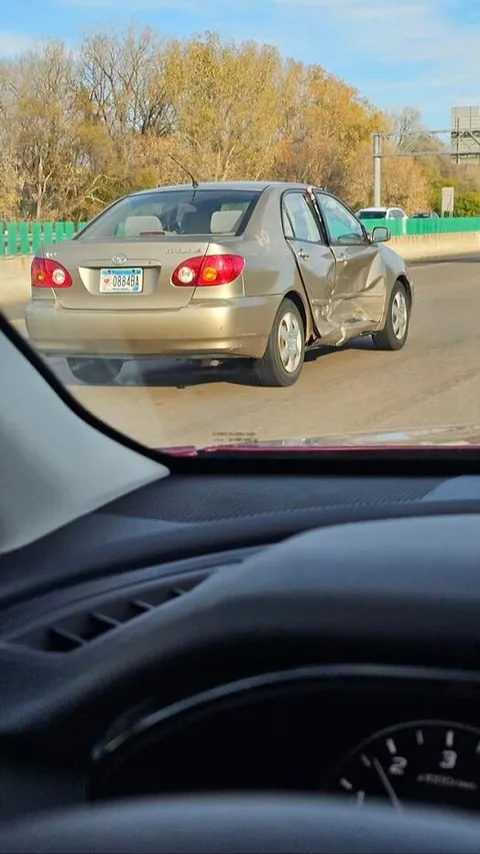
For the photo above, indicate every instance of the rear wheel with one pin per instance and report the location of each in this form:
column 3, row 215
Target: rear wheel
column 95, row 371
column 395, row 332
column 282, row 362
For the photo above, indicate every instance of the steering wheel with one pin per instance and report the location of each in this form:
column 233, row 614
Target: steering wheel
column 241, row 824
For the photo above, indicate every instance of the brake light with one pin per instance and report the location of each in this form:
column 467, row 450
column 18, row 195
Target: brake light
column 208, row 270
column 45, row 273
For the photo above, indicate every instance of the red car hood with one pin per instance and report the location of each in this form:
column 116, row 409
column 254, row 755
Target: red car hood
column 454, row 436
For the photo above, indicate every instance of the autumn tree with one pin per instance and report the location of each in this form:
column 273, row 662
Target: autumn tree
column 11, row 183
column 327, row 127
column 39, row 100
column 228, row 99
column 129, row 110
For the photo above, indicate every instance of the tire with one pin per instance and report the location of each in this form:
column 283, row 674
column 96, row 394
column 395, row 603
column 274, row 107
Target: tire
column 394, row 334
column 277, row 368
column 95, row 371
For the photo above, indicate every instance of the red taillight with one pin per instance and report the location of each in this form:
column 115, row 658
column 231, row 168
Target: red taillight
column 45, row 273
column 208, row 270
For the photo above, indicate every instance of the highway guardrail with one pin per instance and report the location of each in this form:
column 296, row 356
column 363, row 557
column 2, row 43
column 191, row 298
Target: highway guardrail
column 26, row 238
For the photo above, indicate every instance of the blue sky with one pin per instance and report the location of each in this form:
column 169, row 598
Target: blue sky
column 420, row 53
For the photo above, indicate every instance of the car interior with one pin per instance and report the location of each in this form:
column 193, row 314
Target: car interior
column 229, row 649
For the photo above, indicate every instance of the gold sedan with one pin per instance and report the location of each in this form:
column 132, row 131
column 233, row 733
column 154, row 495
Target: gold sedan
column 258, row 271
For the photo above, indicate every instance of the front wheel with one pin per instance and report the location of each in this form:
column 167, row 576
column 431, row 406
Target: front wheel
column 95, row 371
column 282, row 362
column 394, row 334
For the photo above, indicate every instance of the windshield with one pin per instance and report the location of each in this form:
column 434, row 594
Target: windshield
column 217, row 228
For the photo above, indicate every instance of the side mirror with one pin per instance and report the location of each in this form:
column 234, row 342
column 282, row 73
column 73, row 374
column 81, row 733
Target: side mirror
column 381, row 234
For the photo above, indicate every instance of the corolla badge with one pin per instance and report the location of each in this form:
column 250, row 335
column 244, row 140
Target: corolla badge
column 182, row 251
column 118, row 259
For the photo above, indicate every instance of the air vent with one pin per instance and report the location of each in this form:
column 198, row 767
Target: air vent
column 81, row 628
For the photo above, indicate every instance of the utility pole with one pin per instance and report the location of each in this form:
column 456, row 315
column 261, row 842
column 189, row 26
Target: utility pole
column 422, row 143
column 377, row 169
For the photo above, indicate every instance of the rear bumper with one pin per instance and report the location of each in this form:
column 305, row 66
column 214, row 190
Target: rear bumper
column 234, row 328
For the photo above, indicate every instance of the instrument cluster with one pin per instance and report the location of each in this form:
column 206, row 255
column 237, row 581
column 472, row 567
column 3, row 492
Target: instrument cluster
column 396, row 738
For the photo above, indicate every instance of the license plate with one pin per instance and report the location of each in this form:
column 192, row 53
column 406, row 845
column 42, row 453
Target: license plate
column 123, row 280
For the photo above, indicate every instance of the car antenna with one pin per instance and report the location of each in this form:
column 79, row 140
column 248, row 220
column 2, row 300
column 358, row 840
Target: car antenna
column 193, row 180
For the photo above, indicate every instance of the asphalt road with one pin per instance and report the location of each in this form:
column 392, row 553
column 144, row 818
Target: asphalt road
column 433, row 381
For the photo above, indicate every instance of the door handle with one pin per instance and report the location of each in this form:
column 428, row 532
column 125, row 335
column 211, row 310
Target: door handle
column 303, row 255
column 343, row 257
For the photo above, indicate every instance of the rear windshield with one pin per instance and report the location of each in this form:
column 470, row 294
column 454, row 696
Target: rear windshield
column 372, row 214
column 185, row 211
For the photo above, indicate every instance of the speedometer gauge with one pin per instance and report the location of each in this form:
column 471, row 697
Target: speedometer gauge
column 429, row 762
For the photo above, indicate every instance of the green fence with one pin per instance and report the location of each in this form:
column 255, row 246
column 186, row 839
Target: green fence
column 25, row 238
column 408, row 227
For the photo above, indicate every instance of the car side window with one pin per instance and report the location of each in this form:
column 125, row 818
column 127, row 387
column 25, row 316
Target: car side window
column 298, row 219
column 342, row 226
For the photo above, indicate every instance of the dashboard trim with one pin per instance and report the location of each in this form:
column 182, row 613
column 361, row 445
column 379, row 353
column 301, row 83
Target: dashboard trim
column 136, row 725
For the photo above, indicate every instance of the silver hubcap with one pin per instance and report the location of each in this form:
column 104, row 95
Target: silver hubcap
column 399, row 315
column 290, row 342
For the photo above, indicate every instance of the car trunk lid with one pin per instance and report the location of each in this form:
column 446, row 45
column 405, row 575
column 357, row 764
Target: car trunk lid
column 115, row 275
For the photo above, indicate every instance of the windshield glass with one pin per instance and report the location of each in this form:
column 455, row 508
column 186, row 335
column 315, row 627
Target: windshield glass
column 218, row 228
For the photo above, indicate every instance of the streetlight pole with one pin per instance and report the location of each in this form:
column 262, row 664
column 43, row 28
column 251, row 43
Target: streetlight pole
column 377, row 169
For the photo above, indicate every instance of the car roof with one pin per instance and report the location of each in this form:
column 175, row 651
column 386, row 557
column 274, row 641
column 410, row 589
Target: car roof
column 230, row 185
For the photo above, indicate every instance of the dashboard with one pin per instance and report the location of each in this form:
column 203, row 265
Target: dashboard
column 292, row 633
